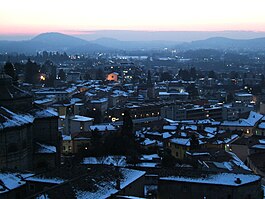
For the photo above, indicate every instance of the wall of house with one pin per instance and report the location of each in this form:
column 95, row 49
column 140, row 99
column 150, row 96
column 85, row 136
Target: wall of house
column 47, row 160
column 136, row 188
column 46, row 131
column 248, row 131
column 16, row 148
column 80, row 144
column 17, row 193
column 178, row 151
column 241, row 151
column 67, row 147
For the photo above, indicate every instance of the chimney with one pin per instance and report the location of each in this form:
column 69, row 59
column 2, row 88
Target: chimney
column 118, row 184
column 238, row 181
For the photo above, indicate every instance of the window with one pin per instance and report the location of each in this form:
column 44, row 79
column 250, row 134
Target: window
column 177, row 154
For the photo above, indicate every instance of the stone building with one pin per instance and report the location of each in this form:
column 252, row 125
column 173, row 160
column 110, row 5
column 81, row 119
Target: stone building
column 223, row 185
column 22, row 125
column 15, row 140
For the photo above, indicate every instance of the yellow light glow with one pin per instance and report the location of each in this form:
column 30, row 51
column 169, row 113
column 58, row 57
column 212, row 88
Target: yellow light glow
column 42, row 78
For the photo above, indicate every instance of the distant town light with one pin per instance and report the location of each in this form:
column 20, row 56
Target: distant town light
column 42, row 78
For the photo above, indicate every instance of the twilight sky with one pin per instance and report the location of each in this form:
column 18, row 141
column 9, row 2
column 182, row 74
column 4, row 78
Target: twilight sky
column 31, row 17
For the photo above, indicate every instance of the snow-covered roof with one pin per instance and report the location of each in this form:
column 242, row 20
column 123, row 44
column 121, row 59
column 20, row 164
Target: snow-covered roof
column 79, row 118
column 262, row 125
column 252, row 119
column 262, row 141
column 181, row 141
column 106, row 189
column 197, row 153
column 10, row 181
column 71, row 89
column 148, row 141
column 102, row 100
column 227, row 179
column 258, row 146
column 153, row 133
column 88, row 94
column 169, row 128
column 171, row 93
column 45, row 113
column 108, row 160
column 10, row 119
column 210, row 129
column 166, row 135
column 45, row 180
column 149, row 157
column 192, row 127
column 238, row 162
column 120, row 93
column 227, row 140
column 103, row 127
column 74, row 100
column 243, row 95
column 66, row 137
column 44, row 101
column 43, row 148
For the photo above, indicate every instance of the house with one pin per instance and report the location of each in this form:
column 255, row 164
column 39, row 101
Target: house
column 179, row 146
column 220, row 185
column 67, row 145
column 99, row 181
column 256, row 163
column 75, row 123
column 38, row 183
column 45, row 133
column 244, row 97
column 13, row 185
column 24, row 127
column 260, row 130
column 73, row 76
column 248, row 125
column 45, row 156
column 15, row 140
column 112, row 77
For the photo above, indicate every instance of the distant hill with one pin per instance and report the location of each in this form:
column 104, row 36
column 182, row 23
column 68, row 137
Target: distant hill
column 226, row 43
column 50, row 42
column 133, row 45
column 59, row 40
column 66, row 43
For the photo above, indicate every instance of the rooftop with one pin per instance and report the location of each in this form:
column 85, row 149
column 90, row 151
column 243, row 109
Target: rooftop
column 227, row 179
